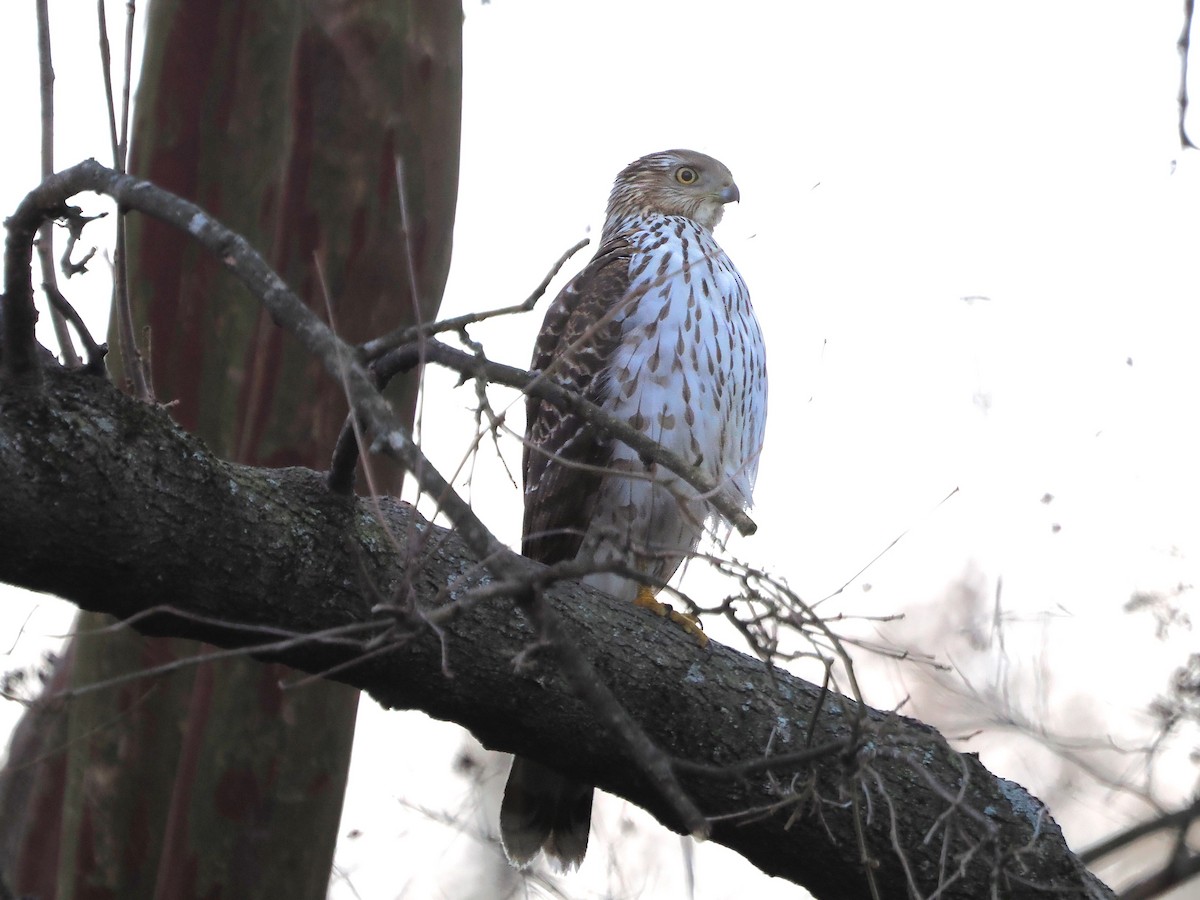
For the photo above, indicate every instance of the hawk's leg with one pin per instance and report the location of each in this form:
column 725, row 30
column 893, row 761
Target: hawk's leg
column 689, row 623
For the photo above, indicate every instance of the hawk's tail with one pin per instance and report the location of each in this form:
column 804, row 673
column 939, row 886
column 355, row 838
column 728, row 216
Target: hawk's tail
column 543, row 810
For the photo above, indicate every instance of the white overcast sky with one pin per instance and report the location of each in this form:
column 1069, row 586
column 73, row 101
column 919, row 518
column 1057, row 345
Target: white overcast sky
column 971, row 238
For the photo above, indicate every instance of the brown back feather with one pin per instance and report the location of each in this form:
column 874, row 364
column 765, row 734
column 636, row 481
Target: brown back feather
column 563, row 454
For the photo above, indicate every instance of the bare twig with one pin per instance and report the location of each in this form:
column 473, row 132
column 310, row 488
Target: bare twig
column 131, row 355
column 95, row 352
column 878, row 556
column 532, row 383
column 46, row 241
column 588, row 685
column 184, row 662
column 765, row 763
column 126, row 85
column 1182, row 867
column 1185, row 44
column 75, row 221
column 375, row 348
column 1179, row 820
column 106, row 73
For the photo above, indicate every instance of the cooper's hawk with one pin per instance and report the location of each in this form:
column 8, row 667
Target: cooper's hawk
column 657, row 330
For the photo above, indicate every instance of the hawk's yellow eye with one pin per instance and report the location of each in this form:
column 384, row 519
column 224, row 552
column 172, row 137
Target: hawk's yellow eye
column 686, row 175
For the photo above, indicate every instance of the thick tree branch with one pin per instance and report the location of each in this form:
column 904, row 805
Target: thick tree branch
column 108, row 504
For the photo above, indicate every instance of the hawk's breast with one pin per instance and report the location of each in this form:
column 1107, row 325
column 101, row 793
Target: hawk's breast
column 690, row 369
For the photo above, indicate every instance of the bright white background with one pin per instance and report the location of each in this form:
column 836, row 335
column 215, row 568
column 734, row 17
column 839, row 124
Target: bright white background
column 971, row 238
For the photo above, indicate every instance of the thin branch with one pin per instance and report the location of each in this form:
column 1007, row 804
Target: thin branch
column 95, row 352
column 167, row 610
column 878, row 556
column 375, row 348
column 46, row 241
column 1185, row 44
column 131, row 355
column 765, row 763
column 1180, row 820
column 106, row 73
column 533, row 384
column 185, row 662
column 589, row 686
column 75, row 221
column 59, row 307
column 126, row 84
column 1182, row 867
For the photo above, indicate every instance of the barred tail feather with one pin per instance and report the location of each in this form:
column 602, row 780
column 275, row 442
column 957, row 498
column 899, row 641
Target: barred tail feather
column 543, row 810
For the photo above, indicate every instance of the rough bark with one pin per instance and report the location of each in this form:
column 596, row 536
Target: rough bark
column 110, row 505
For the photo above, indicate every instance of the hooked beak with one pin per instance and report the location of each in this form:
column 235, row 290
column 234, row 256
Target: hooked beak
column 730, row 194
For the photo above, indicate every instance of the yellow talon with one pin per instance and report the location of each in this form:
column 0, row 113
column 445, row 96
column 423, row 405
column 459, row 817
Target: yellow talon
column 688, row 622
column 645, row 599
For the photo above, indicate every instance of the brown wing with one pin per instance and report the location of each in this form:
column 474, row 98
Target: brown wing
column 563, row 454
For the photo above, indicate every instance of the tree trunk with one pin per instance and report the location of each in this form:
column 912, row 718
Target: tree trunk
column 286, row 120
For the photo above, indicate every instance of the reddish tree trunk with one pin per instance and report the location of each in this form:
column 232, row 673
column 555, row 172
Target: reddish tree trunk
column 285, row 120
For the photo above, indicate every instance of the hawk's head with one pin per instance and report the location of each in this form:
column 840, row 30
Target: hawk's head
column 672, row 183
